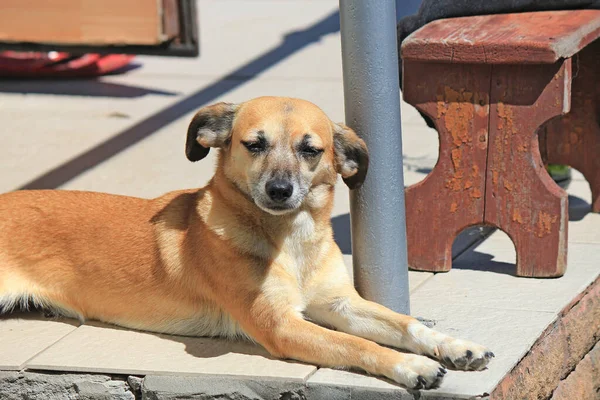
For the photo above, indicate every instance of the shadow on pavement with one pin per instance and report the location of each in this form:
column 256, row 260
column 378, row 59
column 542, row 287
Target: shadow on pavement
column 292, row 43
column 578, row 208
column 78, row 87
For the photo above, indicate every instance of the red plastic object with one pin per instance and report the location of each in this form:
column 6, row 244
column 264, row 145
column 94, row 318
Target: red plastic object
column 55, row 64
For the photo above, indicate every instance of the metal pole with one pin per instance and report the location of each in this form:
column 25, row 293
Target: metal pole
column 372, row 103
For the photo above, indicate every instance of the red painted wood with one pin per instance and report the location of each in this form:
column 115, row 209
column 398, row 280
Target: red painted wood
column 521, row 198
column 538, row 37
column 574, row 139
column 451, row 198
column 488, row 118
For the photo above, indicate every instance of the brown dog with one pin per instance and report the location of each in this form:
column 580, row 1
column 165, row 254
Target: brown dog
column 250, row 255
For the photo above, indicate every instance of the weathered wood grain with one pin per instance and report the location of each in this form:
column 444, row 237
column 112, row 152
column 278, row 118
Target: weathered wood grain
column 524, row 38
column 499, row 89
column 521, row 198
column 451, row 198
column 574, row 139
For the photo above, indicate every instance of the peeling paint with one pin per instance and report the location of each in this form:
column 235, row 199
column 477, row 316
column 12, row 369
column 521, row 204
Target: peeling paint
column 499, row 146
column 544, row 223
column 456, row 156
column 506, row 119
column 458, row 111
column 517, row 216
column 522, row 147
column 454, row 184
column 506, row 130
column 476, row 193
column 508, row 186
column 453, row 207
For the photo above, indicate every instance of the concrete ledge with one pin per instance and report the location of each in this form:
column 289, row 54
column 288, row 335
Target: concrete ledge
column 333, row 391
column 48, row 386
column 556, row 353
column 177, row 387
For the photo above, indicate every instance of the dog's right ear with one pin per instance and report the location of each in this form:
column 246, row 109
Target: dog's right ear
column 210, row 127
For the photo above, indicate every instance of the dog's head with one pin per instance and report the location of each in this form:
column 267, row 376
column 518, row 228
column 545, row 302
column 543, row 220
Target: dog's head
column 281, row 152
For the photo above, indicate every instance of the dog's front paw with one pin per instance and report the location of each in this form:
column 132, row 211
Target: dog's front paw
column 464, row 355
column 419, row 372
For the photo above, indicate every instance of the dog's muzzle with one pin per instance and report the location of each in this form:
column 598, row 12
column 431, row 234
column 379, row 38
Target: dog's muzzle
column 279, row 190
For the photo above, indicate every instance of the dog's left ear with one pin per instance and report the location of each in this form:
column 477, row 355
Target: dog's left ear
column 351, row 155
column 210, row 127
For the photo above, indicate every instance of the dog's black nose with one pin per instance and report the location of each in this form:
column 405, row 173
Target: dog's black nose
column 279, row 190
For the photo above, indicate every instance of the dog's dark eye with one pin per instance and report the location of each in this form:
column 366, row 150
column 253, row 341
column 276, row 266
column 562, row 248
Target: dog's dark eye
column 257, row 146
column 309, row 151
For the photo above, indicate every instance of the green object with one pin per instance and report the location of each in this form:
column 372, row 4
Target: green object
column 561, row 174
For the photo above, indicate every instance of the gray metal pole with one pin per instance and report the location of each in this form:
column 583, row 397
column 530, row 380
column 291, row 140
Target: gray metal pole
column 372, row 103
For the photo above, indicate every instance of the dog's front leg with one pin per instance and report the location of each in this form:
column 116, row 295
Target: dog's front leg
column 271, row 316
column 290, row 336
column 340, row 306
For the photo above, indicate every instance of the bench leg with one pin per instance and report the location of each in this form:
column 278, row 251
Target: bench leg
column 451, row 197
column 521, row 198
column 574, row 139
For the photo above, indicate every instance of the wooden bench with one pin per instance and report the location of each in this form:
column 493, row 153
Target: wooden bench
column 508, row 93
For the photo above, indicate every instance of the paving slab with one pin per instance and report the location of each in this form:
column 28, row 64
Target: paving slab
column 493, row 328
column 420, row 143
column 584, row 226
column 415, row 278
column 24, row 335
column 576, row 175
column 44, row 131
column 484, row 276
column 235, row 32
column 100, row 348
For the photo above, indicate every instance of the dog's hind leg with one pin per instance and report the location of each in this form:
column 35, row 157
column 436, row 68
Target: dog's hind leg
column 18, row 294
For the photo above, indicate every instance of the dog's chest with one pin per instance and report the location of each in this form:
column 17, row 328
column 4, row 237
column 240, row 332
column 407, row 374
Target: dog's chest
column 299, row 249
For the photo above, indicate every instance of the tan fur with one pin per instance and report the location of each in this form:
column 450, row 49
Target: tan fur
column 212, row 262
